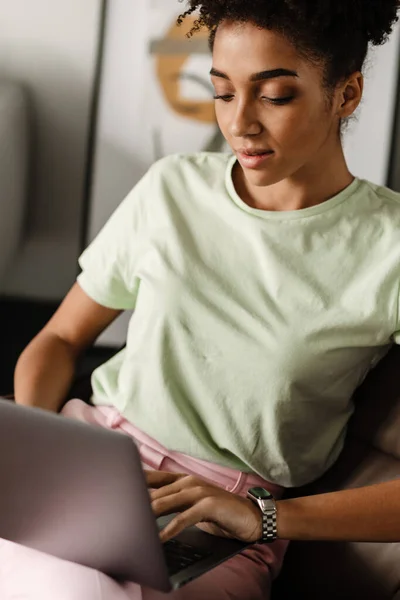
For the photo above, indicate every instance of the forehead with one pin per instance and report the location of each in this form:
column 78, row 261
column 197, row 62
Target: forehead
column 241, row 49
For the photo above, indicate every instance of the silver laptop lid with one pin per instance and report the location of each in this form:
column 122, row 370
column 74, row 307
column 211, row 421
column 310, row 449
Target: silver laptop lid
column 78, row 492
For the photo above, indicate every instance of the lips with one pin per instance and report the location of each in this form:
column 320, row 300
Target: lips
column 254, row 151
column 252, row 158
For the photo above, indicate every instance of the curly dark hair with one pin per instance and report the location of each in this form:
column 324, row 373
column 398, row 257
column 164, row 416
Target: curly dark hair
column 335, row 33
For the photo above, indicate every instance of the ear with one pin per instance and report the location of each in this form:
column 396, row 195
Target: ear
column 350, row 94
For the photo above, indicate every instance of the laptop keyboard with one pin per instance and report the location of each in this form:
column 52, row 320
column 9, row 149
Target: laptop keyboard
column 180, row 556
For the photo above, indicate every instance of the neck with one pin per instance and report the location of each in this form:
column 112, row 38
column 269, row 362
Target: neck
column 313, row 184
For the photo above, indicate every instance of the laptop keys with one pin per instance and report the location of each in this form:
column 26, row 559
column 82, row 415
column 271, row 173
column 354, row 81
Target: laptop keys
column 180, row 556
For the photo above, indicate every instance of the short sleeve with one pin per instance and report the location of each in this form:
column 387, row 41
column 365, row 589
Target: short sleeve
column 108, row 263
column 396, row 334
column 396, row 337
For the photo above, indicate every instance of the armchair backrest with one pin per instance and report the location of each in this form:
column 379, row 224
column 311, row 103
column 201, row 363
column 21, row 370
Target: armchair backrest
column 370, row 571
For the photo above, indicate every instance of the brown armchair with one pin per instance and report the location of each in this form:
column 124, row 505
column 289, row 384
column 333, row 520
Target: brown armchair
column 369, row 571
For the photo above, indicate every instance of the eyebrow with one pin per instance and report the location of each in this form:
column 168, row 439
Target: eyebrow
column 261, row 76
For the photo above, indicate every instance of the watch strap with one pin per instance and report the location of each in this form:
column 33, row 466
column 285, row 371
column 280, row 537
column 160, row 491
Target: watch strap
column 269, row 531
column 266, row 503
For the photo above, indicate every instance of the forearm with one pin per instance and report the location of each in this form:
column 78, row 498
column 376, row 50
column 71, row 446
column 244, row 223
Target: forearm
column 364, row 514
column 44, row 372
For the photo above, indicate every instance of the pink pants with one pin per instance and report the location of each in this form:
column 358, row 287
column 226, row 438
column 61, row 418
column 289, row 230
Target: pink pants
column 27, row 574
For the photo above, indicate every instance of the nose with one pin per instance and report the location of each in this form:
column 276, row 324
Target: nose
column 245, row 121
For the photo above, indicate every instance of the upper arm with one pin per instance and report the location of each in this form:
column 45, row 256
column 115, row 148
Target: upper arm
column 107, row 284
column 79, row 320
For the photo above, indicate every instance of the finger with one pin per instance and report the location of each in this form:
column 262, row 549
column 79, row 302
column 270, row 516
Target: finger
column 189, row 517
column 178, row 502
column 156, row 479
column 166, row 490
column 187, row 482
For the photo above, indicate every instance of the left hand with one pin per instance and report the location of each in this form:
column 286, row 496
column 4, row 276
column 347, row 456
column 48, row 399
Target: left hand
column 197, row 501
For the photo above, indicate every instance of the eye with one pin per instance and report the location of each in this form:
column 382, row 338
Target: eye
column 224, row 98
column 279, row 101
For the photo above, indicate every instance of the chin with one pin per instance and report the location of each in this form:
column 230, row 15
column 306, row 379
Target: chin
column 261, row 178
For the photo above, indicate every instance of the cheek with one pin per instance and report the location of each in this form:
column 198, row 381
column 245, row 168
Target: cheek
column 302, row 127
column 222, row 116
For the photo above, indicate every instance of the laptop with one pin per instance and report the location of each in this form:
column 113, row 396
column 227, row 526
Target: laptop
column 78, row 492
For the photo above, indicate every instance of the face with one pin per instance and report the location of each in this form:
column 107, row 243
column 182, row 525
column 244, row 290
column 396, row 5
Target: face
column 271, row 105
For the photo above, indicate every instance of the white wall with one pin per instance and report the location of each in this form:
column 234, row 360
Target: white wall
column 50, row 46
column 122, row 149
column 368, row 141
column 121, row 156
column 395, row 158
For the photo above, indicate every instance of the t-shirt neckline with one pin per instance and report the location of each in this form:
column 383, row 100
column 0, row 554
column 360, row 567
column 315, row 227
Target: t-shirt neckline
column 288, row 214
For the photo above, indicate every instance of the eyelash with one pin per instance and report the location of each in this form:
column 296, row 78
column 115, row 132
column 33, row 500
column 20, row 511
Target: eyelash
column 276, row 101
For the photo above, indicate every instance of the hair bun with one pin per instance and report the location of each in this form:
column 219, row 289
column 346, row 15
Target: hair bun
column 373, row 19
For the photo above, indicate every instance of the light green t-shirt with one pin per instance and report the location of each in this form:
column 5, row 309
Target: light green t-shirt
column 251, row 329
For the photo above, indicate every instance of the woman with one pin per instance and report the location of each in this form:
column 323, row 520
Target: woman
column 264, row 287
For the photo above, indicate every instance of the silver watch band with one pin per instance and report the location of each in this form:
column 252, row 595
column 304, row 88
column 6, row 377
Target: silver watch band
column 269, row 531
column 267, row 505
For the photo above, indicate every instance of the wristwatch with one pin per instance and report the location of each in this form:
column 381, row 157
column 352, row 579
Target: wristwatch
column 266, row 503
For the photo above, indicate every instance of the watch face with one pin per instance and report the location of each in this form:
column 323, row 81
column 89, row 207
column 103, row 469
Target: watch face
column 260, row 493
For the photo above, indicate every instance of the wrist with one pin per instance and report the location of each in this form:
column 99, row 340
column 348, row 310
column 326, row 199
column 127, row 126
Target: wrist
column 258, row 521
